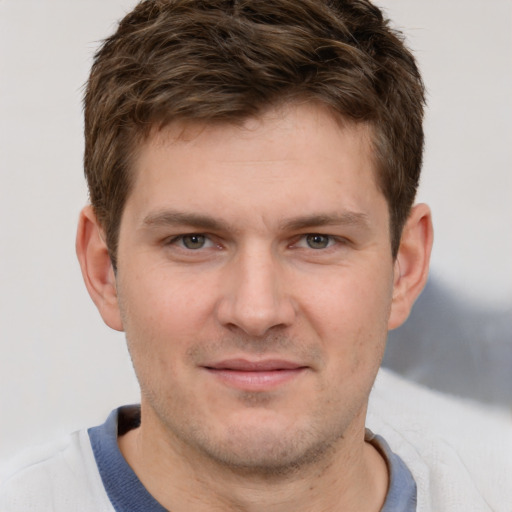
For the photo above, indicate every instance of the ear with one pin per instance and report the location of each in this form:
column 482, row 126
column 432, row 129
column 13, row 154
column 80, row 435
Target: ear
column 412, row 263
column 96, row 266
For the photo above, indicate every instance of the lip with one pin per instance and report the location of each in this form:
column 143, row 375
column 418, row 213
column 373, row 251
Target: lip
column 247, row 375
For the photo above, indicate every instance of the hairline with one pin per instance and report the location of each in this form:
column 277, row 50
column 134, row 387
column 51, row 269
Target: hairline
column 143, row 135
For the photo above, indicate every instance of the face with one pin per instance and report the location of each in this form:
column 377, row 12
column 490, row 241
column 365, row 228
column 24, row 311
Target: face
column 255, row 282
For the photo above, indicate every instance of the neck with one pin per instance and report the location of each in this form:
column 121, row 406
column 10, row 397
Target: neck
column 351, row 477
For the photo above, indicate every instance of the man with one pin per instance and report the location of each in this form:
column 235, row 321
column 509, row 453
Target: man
column 252, row 168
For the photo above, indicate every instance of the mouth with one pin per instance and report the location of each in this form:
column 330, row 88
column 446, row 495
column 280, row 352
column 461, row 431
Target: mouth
column 249, row 375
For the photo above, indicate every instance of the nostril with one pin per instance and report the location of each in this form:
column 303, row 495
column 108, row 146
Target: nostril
column 256, row 322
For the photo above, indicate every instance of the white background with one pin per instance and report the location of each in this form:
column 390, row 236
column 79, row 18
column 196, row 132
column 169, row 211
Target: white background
column 60, row 367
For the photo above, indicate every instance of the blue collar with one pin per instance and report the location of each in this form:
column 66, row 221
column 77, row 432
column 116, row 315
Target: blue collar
column 127, row 494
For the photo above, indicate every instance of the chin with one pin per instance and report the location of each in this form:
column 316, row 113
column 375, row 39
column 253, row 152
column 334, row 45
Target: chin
column 268, row 451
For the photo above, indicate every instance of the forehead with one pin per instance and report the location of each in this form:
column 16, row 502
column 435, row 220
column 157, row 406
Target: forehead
column 299, row 155
column 290, row 131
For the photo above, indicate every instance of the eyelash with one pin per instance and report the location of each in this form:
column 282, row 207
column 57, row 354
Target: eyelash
column 179, row 239
column 331, row 241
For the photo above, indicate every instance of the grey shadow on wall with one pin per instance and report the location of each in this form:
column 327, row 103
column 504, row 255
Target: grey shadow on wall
column 455, row 345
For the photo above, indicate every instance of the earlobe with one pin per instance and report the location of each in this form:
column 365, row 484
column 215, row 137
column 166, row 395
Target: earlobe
column 412, row 263
column 96, row 267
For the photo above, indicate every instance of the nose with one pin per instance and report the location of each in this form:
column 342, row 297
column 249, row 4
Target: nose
column 254, row 297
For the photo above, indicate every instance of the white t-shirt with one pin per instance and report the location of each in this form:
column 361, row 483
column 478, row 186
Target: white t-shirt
column 431, row 449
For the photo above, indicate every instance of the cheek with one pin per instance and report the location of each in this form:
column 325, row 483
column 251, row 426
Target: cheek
column 348, row 301
column 350, row 316
column 159, row 305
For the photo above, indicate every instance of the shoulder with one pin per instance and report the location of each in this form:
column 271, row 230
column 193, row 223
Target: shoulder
column 60, row 476
column 459, row 452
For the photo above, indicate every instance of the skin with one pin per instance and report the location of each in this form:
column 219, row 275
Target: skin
column 256, row 286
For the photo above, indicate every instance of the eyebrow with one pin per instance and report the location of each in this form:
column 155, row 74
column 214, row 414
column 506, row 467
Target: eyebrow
column 346, row 218
column 200, row 221
column 195, row 220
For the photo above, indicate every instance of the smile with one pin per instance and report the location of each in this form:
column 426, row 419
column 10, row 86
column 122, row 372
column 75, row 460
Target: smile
column 255, row 375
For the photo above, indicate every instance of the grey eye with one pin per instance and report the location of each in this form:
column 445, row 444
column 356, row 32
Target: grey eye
column 193, row 241
column 316, row 241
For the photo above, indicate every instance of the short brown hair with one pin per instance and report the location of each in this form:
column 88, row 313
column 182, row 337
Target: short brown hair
column 226, row 60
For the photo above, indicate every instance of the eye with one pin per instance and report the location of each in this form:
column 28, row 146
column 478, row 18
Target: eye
column 318, row 241
column 193, row 241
